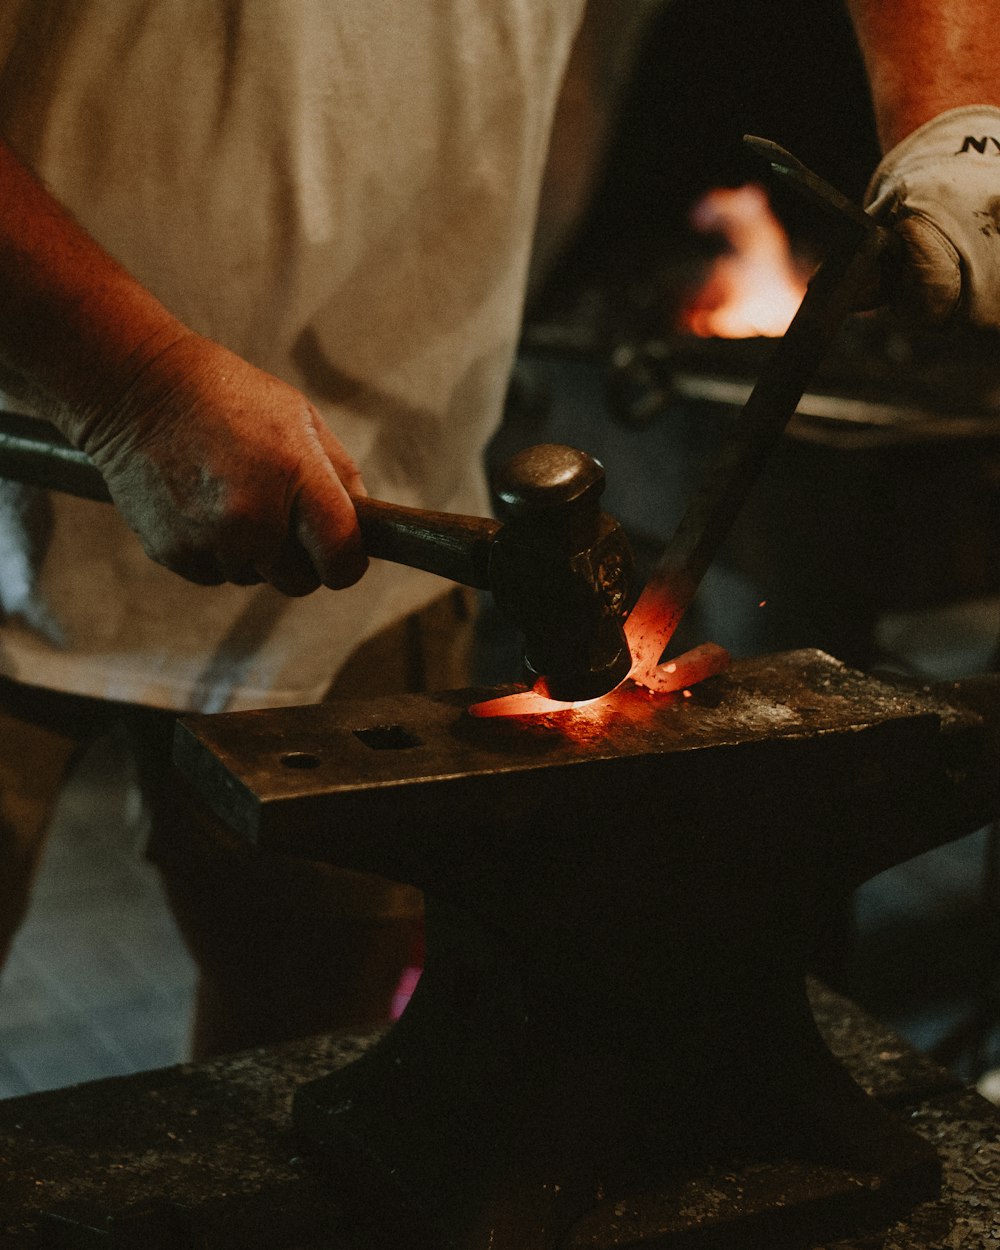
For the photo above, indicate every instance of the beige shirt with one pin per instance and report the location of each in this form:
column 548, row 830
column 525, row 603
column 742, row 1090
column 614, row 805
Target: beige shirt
column 342, row 192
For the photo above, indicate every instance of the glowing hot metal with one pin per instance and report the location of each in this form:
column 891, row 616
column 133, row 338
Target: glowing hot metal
column 833, row 292
column 685, row 670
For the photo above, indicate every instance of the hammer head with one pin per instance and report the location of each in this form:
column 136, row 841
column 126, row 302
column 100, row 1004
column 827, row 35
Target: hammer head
column 562, row 571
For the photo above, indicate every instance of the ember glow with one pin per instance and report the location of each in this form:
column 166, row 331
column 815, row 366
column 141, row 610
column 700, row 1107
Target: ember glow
column 755, row 286
column 681, row 672
column 526, row 703
column 686, row 670
column 648, row 630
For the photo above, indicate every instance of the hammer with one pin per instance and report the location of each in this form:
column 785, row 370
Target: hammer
column 559, row 568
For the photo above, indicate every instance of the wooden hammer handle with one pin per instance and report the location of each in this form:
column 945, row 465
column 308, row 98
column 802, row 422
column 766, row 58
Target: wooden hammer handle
column 446, row 543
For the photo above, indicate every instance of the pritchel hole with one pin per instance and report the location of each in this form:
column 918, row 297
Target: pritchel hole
column 300, row 759
column 387, row 738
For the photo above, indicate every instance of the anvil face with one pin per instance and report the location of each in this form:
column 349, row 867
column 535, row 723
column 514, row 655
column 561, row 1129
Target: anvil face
column 621, row 905
column 406, row 786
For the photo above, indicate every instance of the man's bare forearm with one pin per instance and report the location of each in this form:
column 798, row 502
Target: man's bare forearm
column 224, row 472
column 74, row 325
column 924, row 57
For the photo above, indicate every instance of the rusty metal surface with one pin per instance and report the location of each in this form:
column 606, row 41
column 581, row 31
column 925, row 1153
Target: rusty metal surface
column 353, row 781
column 214, row 1139
column 194, row 1155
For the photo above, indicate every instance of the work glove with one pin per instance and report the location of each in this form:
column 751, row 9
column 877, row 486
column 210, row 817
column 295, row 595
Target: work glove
column 226, row 473
column 939, row 190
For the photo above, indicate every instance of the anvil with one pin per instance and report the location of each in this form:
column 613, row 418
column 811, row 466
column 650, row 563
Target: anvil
column 622, row 903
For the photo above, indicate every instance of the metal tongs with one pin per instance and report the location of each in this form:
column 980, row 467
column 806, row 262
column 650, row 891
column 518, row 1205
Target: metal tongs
column 850, row 270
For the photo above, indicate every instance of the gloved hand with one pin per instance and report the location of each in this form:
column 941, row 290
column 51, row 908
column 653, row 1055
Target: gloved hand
column 939, row 189
column 226, row 473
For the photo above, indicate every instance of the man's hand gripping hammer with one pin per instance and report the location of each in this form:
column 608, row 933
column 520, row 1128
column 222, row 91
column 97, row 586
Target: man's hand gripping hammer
column 557, row 566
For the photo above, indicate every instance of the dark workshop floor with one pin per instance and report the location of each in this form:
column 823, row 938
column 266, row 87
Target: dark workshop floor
column 99, row 983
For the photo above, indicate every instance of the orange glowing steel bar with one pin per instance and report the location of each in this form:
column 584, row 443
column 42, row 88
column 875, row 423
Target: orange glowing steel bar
column 648, row 630
column 524, row 703
column 684, row 670
column 652, row 622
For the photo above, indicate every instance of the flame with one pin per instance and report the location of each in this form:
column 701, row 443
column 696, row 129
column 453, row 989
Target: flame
column 755, row 286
